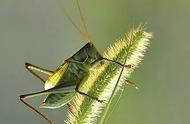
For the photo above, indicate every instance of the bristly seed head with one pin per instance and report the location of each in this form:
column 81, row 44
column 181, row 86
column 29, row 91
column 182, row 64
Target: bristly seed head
column 103, row 78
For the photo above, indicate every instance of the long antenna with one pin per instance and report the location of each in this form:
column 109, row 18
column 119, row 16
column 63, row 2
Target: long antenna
column 83, row 34
column 82, row 17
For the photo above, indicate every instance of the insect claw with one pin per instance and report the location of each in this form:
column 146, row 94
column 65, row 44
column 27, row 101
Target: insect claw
column 129, row 66
column 102, row 101
column 132, row 84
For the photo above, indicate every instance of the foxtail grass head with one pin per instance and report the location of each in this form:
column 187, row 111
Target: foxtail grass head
column 103, row 77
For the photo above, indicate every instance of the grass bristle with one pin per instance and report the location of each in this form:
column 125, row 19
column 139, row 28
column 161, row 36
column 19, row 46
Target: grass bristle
column 103, row 78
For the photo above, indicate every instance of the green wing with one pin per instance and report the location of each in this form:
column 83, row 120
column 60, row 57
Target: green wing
column 56, row 100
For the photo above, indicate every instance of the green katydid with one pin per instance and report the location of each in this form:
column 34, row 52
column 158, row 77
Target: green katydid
column 63, row 83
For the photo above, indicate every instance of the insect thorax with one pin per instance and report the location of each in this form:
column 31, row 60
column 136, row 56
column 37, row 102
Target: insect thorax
column 86, row 55
column 79, row 65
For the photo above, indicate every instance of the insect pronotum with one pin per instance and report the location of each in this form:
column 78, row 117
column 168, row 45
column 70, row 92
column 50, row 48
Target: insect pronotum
column 64, row 82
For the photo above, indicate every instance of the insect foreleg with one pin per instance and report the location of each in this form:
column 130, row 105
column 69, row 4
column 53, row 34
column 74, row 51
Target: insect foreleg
column 109, row 60
column 92, row 97
column 31, row 67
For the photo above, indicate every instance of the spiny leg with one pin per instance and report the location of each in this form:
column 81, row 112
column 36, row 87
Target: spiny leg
column 33, row 109
column 128, row 82
column 114, row 91
column 92, row 97
column 31, row 67
column 109, row 60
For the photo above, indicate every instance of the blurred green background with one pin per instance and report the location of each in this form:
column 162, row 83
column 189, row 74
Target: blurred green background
column 36, row 31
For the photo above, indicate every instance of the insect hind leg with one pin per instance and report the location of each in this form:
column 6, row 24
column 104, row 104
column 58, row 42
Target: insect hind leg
column 31, row 68
column 22, row 99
